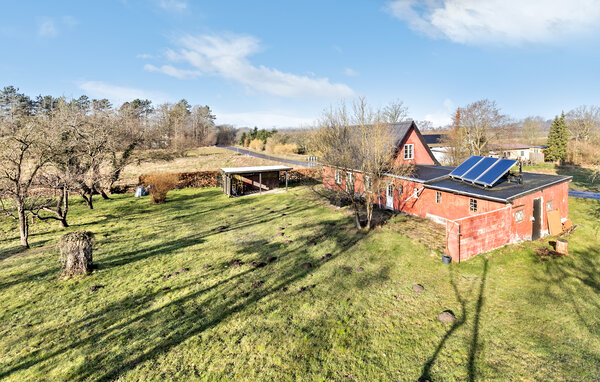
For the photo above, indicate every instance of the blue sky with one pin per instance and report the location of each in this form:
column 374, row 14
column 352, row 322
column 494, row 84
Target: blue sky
column 280, row 63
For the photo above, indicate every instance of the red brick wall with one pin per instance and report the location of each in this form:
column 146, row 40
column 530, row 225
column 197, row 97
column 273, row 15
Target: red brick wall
column 558, row 194
column 420, row 153
column 478, row 234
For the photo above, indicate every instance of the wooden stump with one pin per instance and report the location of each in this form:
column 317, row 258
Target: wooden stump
column 76, row 252
column 562, row 246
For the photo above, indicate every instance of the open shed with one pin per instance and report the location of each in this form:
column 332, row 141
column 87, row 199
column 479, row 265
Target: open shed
column 239, row 181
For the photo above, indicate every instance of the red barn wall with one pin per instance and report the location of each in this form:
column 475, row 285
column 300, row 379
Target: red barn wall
column 558, row 194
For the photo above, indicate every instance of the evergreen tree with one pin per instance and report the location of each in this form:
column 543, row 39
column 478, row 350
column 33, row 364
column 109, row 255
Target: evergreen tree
column 557, row 140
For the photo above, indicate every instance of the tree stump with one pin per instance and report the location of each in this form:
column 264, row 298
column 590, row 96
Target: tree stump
column 562, row 246
column 76, row 253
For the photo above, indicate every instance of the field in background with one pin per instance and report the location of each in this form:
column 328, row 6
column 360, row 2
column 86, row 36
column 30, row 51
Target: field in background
column 584, row 178
column 282, row 287
column 200, row 159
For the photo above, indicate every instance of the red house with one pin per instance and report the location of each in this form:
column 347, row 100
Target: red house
column 478, row 217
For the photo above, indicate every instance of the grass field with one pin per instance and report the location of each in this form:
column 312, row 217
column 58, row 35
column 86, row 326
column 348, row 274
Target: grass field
column 584, row 178
column 199, row 159
column 173, row 304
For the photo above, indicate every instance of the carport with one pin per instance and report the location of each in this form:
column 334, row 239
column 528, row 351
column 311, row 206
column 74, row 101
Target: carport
column 238, row 181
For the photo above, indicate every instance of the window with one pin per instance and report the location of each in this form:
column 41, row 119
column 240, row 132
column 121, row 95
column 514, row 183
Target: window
column 416, row 192
column 400, row 189
column 438, row 197
column 522, row 153
column 473, row 205
column 368, row 183
column 519, row 216
column 409, row 151
column 390, row 189
column 338, row 177
column 549, row 206
column 350, row 183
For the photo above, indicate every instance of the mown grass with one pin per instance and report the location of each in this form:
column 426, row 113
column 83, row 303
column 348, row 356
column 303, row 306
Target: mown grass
column 584, row 178
column 356, row 318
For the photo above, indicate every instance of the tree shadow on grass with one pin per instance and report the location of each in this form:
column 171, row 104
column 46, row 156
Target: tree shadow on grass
column 461, row 319
column 583, row 178
column 145, row 331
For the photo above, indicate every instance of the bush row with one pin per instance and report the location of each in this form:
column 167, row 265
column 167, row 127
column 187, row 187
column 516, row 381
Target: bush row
column 201, row 179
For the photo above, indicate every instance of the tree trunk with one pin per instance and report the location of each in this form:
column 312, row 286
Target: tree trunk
column 88, row 200
column 23, row 227
column 357, row 215
column 103, row 194
column 62, row 207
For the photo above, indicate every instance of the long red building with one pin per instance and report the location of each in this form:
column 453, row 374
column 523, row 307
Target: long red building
column 477, row 219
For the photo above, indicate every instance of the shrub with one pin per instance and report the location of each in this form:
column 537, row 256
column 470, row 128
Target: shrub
column 76, row 252
column 257, row 144
column 160, row 184
column 289, row 148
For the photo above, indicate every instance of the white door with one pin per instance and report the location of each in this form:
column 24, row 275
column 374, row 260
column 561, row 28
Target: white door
column 389, row 196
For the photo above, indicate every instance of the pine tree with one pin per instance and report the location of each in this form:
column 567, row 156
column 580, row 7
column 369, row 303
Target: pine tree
column 557, row 140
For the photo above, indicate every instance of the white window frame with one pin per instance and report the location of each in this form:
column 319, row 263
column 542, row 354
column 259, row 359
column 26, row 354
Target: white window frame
column 338, row 176
column 472, row 205
column 438, row 197
column 549, row 203
column 368, row 183
column 519, row 216
column 349, row 181
column 411, row 151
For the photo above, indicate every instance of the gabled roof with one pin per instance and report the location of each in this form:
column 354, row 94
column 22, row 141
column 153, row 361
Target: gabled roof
column 433, row 139
column 401, row 129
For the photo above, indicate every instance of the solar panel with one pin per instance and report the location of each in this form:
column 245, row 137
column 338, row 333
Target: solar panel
column 465, row 166
column 481, row 167
column 490, row 177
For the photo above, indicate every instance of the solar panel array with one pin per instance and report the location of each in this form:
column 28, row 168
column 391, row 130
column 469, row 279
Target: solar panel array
column 484, row 171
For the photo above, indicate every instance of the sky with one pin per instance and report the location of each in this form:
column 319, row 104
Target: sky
column 281, row 63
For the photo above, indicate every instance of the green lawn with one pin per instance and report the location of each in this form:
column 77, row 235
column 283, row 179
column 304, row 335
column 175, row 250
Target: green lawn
column 584, row 178
column 355, row 318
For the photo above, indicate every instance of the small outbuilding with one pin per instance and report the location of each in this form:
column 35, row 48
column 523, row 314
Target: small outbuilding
column 238, row 181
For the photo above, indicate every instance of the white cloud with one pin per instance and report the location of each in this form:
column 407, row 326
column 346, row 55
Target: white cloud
column 499, row 21
column 263, row 120
column 47, row 28
column 172, row 71
column 144, row 56
column 350, row 72
column 227, row 57
column 173, row 5
column 119, row 94
column 442, row 117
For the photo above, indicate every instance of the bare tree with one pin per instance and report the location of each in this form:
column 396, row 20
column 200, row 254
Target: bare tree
column 354, row 142
column 584, row 123
column 22, row 156
column 531, row 130
column 482, row 122
column 395, row 112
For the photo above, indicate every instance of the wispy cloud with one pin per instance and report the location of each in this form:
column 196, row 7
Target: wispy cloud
column 144, row 56
column 172, row 71
column 50, row 27
column 443, row 116
column 227, row 57
column 47, row 28
column 119, row 94
column 263, row 120
column 173, row 5
column 350, row 72
column 510, row 22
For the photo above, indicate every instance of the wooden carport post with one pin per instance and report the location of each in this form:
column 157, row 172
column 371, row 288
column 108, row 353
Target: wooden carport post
column 286, row 180
column 260, row 183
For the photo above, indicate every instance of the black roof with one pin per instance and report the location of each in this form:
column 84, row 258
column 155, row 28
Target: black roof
column 503, row 191
column 425, row 172
column 399, row 131
column 433, row 139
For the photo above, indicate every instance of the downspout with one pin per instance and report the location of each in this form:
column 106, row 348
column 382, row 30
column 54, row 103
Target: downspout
column 459, row 235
